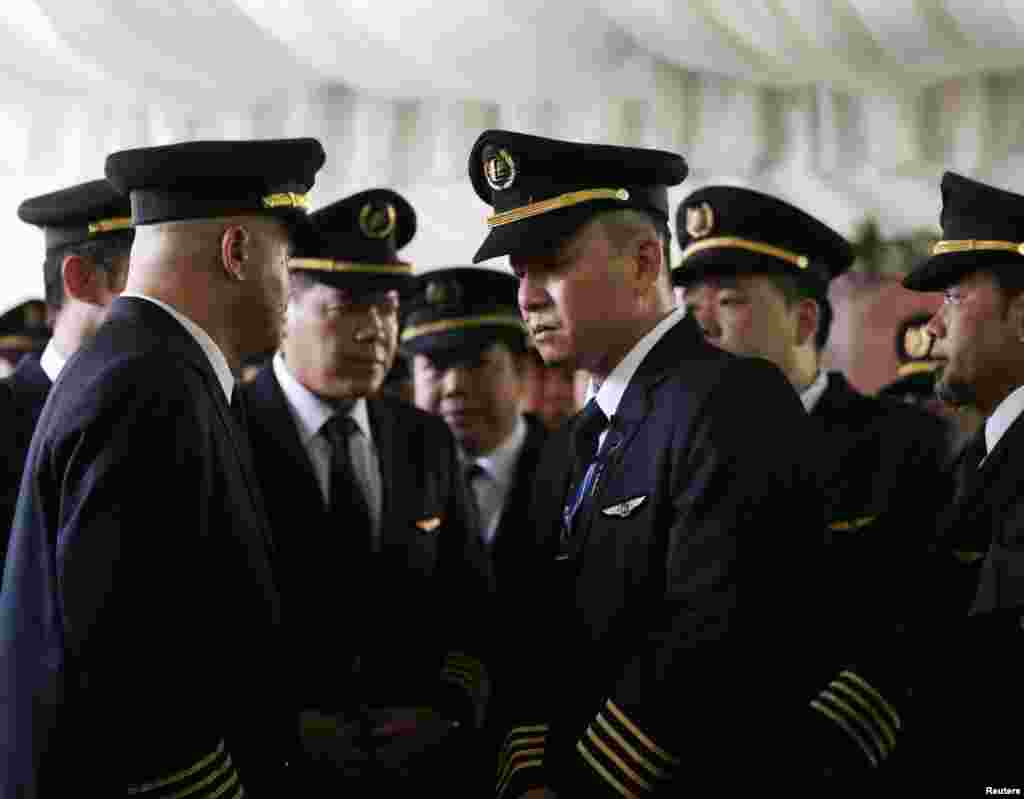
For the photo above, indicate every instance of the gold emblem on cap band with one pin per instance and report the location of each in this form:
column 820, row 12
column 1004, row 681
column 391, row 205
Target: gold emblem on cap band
column 553, row 204
column 917, row 342
column 330, row 265
column 799, row 261
column 378, row 222
column 286, row 199
column 109, row 225
column 444, row 325
column 700, row 220
column 968, row 245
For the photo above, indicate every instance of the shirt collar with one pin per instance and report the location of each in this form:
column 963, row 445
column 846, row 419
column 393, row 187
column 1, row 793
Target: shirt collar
column 213, row 353
column 501, row 461
column 614, row 387
column 1002, row 417
column 51, row 361
column 810, row 395
column 310, row 410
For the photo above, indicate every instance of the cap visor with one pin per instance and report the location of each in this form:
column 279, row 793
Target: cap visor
column 941, row 271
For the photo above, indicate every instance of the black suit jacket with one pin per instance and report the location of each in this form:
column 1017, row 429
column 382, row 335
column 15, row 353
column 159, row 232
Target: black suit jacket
column 883, row 466
column 643, row 672
column 383, row 632
column 972, row 701
column 512, row 551
column 138, row 617
column 22, row 396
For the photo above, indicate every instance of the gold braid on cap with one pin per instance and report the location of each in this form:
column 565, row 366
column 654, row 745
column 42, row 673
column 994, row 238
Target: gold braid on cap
column 286, row 199
column 109, row 225
column 969, row 245
column 444, row 325
column 799, row 261
column 330, row 265
column 553, row 204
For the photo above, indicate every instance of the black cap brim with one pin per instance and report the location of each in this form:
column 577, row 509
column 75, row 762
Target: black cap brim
column 363, row 283
column 462, row 342
column 942, row 271
column 735, row 262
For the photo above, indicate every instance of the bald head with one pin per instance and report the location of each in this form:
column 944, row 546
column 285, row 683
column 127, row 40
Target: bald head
column 228, row 275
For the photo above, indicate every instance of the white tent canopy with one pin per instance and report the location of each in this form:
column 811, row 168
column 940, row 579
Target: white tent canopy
column 851, row 108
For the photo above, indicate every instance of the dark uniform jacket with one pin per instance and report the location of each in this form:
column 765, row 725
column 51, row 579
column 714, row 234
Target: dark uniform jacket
column 513, row 550
column 642, row 671
column 138, row 615
column 883, row 468
column 878, row 456
column 515, row 559
column 972, row 700
column 22, row 396
column 406, row 627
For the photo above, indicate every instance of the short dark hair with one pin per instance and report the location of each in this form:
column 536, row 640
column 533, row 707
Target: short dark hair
column 1009, row 279
column 800, row 287
column 619, row 225
column 101, row 252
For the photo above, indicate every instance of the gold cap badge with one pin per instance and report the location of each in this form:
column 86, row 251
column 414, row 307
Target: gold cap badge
column 499, row 168
column 700, row 220
column 443, row 292
column 378, row 221
column 917, row 342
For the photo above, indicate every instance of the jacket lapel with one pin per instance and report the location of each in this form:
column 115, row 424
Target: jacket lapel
column 31, row 378
column 269, row 405
column 633, row 411
column 382, row 421
column 509, row 535
column 179, row 341
column 965, row 525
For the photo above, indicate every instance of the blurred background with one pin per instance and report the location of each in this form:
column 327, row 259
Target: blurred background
column 849, row 108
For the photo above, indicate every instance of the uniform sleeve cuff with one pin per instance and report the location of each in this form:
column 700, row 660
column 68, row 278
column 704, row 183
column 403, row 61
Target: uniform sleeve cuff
column 468, row 676
column 623, row 756
column 521, row 761
column 870, row 722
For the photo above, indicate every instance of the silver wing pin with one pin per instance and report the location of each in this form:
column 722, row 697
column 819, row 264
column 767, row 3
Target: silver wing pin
column 623, row 509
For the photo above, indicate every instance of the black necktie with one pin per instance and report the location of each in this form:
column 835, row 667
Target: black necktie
column 970, row 463
column 347, row 502
column 473, row 471
column 589, row 426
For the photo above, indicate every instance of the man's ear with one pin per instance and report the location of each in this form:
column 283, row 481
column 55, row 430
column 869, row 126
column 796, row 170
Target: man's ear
column 80, row 279
column 649, row 260
column 235, row 246
column 807, row 313
column 1016, row 316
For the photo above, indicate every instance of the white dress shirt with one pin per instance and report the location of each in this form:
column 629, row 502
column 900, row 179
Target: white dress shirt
column 614, row 387
column 491, row 488
column 810, row 395
column 1002, row 418
column 213, row 353
column 310, row 413
column 51, row 361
